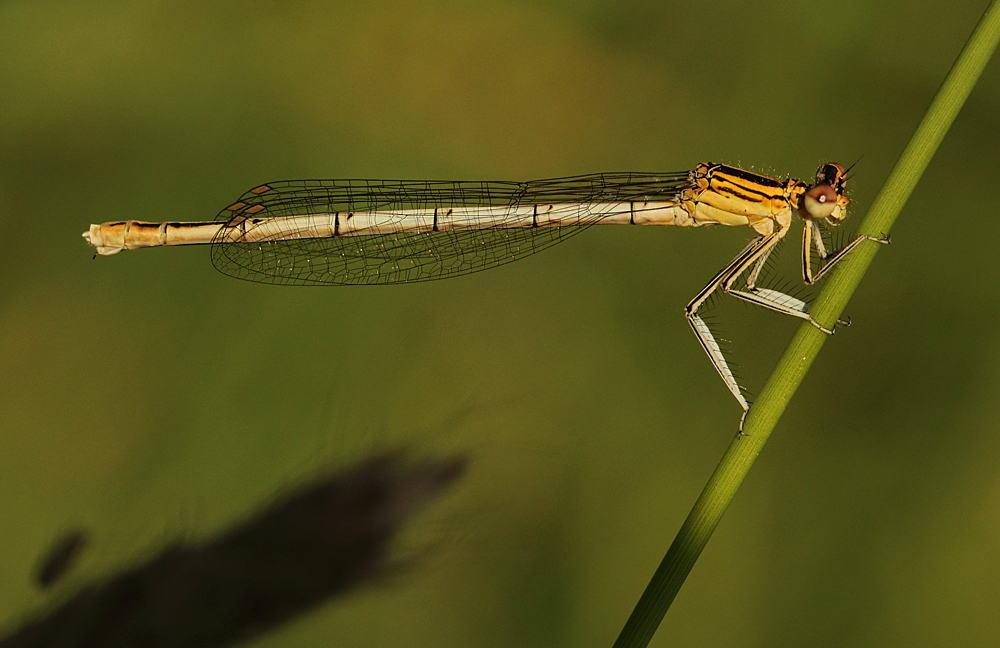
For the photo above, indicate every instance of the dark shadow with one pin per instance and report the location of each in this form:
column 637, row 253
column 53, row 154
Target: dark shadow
column 318, row 542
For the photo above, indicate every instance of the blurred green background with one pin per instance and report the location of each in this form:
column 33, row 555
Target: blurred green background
column 147, row 398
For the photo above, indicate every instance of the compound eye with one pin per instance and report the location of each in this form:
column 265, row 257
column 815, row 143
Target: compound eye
column 820, row 201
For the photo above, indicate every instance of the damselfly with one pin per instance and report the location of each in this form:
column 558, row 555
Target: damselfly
column 337, row 232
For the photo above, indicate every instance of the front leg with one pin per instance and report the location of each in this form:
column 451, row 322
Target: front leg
column 811, row 235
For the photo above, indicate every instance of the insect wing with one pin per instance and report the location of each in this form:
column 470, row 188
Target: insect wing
column 391, row 231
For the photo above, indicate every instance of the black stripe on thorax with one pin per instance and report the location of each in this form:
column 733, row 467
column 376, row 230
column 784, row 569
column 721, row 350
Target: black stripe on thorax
column 746, row 193
column 753, row 178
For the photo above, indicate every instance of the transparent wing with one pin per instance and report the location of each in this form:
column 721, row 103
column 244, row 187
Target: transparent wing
column 493, row 232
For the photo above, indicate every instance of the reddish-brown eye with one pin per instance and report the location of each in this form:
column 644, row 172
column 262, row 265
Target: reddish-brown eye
column 820, row 201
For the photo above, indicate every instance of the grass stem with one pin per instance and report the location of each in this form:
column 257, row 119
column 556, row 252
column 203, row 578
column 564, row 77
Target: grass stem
column 792, row 367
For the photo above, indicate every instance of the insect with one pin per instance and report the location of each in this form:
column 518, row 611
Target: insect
column 339, row 232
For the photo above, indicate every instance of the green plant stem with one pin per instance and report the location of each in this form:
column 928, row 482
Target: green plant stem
column 792, row 367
